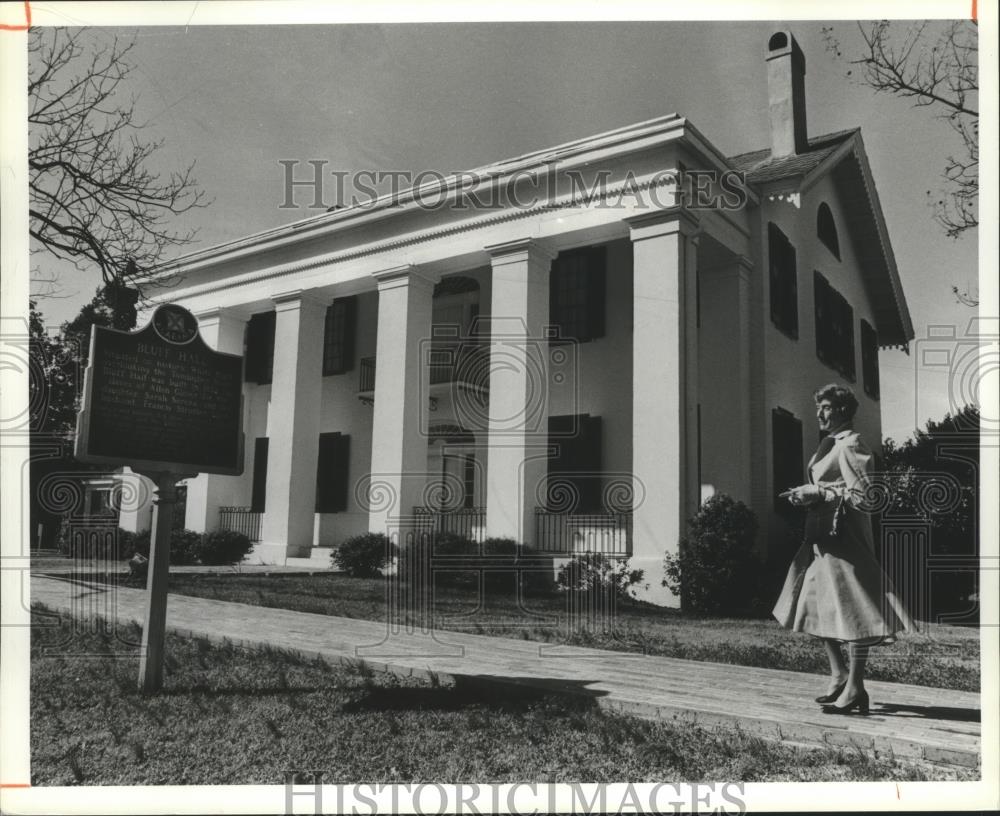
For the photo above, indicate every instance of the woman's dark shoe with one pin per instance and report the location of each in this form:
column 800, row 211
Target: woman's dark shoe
column 860, row 703
column 832, row 696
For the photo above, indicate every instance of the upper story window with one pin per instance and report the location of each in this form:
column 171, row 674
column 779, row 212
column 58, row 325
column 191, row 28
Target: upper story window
column 869, row 359
column 783, row 282
column 577, row 293
column 826, row 230
column 259, row 351
column 834, row 327
column 338, row 336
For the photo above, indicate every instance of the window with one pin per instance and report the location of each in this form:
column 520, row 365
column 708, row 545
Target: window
column 575, row 471
column 869, row 359
column 786, row 449
column 259, row 349
column 259, row 490
column 826, row 230
column 331, row 472
column 577, row 293
column 338, row 336
column 783, row 282
column 834, row 327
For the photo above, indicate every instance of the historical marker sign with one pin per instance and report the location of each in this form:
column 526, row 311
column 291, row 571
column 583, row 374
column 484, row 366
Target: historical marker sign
column 164, row 403
column 160, row 399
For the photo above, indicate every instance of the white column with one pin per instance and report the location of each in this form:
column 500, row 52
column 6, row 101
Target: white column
column 293, row 420
column 222, row 330
column 402, row 390
column 518, row 415
column 135, row 497
column 665, row 389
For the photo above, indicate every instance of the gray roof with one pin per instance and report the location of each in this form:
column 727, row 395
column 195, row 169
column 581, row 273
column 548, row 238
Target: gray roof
column 761, row 168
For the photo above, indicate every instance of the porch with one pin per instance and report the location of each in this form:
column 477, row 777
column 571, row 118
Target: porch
column 555, row 533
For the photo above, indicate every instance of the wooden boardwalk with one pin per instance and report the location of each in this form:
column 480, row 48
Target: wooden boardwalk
column 914, row 722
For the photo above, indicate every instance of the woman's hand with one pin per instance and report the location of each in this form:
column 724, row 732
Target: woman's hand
column 804, row 495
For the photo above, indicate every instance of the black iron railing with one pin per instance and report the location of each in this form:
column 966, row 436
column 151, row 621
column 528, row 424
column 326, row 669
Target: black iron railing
column 241, row 520
column 468, row 522
column 606, row 533
column 367, row 382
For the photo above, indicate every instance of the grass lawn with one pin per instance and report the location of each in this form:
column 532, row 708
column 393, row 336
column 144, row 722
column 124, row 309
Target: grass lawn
column 229, row 716
column 941, row 656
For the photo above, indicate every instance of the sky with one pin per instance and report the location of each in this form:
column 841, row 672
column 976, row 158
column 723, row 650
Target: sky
column 450, row 97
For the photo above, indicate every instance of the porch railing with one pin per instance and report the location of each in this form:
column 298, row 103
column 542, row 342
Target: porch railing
column 241, row 520
column 571, row 534
column 469, row 523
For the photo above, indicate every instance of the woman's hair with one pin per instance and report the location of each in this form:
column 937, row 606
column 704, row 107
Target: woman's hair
column 840, row 396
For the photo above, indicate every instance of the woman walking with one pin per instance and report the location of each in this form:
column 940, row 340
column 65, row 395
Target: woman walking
column 835, row 589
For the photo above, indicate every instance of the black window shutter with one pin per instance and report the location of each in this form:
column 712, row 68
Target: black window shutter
column 834, row 328
column 564, row 462
column 577, row 293
column 790, row 290
column 596, row 292
column 783, row 280
column 338, row 336
column 845, row 341
column 332, row 468
column 577, row 460
column 774, row 253
column 259, row 490
column 869, row 359
column 589, row 483
column 786, row 451
column 821, row 299
column 259, row 351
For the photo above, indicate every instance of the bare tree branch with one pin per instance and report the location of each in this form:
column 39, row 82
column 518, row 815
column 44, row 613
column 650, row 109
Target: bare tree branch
column 94, row 199
column 935, row 66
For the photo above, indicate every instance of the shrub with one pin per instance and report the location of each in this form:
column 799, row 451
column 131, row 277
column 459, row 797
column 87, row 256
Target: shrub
column 364, row 556
column 223, row 547
column 95, row 543
column 717, row 571
column 184, row 546
column 598, row 574
column 452, row 544
column 500, row 546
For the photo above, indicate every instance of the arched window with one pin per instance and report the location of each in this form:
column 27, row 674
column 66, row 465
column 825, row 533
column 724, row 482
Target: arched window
column 827, row 230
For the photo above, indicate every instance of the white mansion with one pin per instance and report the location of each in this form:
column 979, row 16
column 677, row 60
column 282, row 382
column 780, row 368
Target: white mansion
column 576, row 371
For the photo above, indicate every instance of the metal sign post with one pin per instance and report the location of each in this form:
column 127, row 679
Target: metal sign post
column 154, row 630
column 160, row 400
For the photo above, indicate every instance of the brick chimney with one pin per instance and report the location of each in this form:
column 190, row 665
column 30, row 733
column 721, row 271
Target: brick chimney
column 786, row 92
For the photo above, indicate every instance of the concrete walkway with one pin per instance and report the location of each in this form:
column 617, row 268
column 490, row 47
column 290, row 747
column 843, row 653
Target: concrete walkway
column 915, row 722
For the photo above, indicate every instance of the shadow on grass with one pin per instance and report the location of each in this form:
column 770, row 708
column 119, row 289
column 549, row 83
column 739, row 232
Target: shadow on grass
column 930, row 712
column 215, row 692
column 496, row 692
